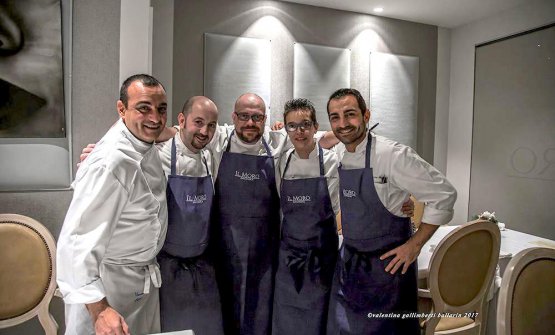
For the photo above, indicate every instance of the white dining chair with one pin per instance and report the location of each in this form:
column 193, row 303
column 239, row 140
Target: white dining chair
column 27, row 272
column 526, row 303
column 461, row 271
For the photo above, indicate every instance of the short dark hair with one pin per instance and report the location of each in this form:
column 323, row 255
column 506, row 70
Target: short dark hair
column 342, row 92
column 300, row 104
column 145, row 79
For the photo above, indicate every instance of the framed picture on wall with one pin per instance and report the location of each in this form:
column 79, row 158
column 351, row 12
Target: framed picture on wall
column 34, row 137
column 31, row 71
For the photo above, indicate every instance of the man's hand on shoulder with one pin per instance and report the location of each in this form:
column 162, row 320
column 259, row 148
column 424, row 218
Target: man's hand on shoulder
column 85, row 152
column 278, row 125
column 167, row 134
column 106, row 319
column 328, row 140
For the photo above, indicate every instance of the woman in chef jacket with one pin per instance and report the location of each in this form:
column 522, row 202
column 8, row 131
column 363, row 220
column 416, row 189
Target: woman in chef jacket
column 309, row 203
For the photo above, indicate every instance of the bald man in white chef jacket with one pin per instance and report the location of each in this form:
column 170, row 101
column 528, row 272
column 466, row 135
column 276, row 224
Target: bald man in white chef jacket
column 116, row 223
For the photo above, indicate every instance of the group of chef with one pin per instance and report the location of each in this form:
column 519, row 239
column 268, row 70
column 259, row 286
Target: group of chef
column 251, row 242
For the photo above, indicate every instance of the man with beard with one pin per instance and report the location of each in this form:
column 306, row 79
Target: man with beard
column 376, row 270
column 246, row 217
column 189, row 296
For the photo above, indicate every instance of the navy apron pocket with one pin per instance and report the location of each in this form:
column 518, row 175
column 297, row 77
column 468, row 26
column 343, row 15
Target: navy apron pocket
column 366, row 287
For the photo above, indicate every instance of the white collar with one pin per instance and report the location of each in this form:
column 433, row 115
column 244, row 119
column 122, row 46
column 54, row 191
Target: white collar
column 182, row 149
column 312, row 154
column 139, row 145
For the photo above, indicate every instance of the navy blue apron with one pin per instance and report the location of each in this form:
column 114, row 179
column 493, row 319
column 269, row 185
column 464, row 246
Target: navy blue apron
column 246, row 237
column 189, row 296
column 361, row 285
column 307, row 256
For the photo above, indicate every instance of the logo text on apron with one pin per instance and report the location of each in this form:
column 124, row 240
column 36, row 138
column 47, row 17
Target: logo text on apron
column 247, row 176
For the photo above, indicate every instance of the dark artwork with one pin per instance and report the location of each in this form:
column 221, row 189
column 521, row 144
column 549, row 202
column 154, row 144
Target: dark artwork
column 31, row 75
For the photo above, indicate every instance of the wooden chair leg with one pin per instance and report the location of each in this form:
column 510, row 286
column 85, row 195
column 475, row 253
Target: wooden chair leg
column 483, row 317
column 47, row 321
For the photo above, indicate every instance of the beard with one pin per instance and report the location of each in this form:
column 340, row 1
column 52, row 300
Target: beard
column 199, row 143
column 350, row 134
column 249, row 137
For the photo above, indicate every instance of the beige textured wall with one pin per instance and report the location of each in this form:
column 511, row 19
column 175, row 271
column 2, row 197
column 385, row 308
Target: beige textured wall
column 286, row 23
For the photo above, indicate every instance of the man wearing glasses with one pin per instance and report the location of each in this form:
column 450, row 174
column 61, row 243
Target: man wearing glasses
column 246, row 225
column 245, row 228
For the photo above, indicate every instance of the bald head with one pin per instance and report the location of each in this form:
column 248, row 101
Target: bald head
column 248, row 117
column 250, row 100
column 197, row 122
column 198, row 101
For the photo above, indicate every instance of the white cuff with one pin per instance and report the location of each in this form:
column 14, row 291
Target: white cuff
column 436, row 216
column 87, row 294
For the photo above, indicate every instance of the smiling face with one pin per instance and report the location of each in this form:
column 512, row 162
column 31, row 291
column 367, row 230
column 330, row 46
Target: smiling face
column 303, row 137
column 347, row 121
column 145, row 114
column 199, row 125
column 248, row 106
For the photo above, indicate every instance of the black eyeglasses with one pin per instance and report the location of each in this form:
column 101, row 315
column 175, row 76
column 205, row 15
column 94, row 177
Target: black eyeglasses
column 292, row 126
column 253, row 117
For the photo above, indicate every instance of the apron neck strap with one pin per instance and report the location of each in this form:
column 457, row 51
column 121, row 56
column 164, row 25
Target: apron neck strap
column 320, row 160
column 205, row 163
column 173, row 159
column 228, row 146
column 368, row 150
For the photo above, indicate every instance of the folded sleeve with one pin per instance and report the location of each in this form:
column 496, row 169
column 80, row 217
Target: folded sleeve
column 417, row 177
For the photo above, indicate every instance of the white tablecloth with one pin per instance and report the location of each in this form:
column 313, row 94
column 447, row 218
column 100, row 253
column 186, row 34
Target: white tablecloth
column 512, row 242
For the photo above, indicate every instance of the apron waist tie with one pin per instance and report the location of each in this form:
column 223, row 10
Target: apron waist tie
column 190, row 265
column 152, row 275
column 298, row 259
column 353, row 260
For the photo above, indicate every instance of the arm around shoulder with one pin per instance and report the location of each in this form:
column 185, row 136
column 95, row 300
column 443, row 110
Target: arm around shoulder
column 167, row 134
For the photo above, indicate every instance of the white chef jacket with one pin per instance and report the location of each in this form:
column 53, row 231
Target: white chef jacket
column 309, row 168
column 405, row 173
column 115, row 225
column 276, row 140
column 187, row 162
